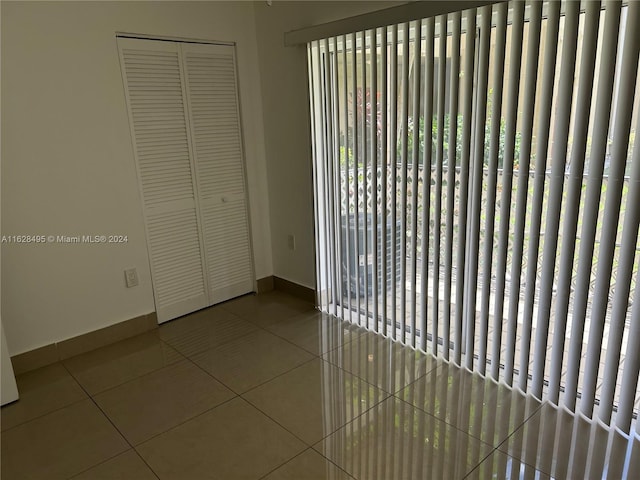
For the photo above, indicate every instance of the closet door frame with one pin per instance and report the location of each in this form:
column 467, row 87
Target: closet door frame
column 160, row 44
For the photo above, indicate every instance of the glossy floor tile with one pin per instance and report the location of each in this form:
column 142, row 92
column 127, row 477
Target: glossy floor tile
column 599, row 454
column 381, row 361
column 315, row 399
column 253, row 359
column 116, row 364
column 267, row 309
column 480, row 407
column 397, row 440
column 42, row 391
column 158, row 401
column 309, row 465
column 501, row 465
column 316, row 332
column 60, row 444
column 249, row 304
column 127, row 465
column 561, row 445
column 261, row 387
column 234, row 440
column 207, row 328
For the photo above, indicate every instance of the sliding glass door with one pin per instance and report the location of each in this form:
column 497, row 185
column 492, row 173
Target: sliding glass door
column 477, row 193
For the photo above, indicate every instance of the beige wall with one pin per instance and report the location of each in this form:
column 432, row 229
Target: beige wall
column 67, row 160
column 283, row 72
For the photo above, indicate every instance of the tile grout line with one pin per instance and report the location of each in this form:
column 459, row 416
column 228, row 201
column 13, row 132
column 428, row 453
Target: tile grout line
column 323, row 438
column 477, row 466
column 168, row 342
column 467, row 434
column 279, row 375
column 257, row 326
column 303, row 348
column 185, row 357
column 484, row 381
column 277, row 423
column 284, row 463
column 108, row 389
column 86, row 392
column 186, row 421
column 315, row 356
column 116, row 429
column 521, row 425
column 245, row 318
column 521, row 460
column 496, row 449
column 365, row 379
column 108, row 460
column 301, row 453
column 386, row 397
column 51, row 411
column 189, row 357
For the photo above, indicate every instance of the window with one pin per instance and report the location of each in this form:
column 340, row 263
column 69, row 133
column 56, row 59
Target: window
column 477, row 193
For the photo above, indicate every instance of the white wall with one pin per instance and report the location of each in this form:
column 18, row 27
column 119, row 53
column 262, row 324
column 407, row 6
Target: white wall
column 283, row 73
column 67, row 159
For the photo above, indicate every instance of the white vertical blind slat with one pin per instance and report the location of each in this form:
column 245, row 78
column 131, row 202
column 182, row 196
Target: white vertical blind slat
column 491, row 185
column 507, row 176
column 559, row 158
column 365, row 180
column 374, row 174
column 622, row 122
column 317, row 192
column 356, row 175
column 404, row 161
column 619, row 310
column 326, row 153
column 334, row 166
column 426, row 179
column 542, row 138
column 345, row 222
column 413, row 254
column 393, row 141
column 437, row 214
column 632, row 354
column 574, row 189
column 592, row 198
column 467, row 303
column 476, row 194
column 531, row 81
column 384, row 159
column 454, row 83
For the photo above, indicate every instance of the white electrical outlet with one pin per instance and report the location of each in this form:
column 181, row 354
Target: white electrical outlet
column 131, row 277
column 291, row 241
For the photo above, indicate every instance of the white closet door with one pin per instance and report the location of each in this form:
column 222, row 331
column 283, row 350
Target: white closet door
column 160, row 129
column 211, row 85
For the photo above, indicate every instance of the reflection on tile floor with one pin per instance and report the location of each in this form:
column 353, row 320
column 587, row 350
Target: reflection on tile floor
column 266, row 387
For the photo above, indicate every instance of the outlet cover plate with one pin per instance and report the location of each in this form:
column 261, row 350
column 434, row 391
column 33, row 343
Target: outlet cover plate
column 131, row 277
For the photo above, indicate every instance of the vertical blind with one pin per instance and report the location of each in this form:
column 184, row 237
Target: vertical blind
column 477, row 193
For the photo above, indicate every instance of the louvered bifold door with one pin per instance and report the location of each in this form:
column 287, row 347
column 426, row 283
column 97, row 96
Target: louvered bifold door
column 211, row 86
column 160, row 129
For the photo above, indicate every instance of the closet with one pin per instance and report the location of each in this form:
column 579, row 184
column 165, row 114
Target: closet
column 182, row 100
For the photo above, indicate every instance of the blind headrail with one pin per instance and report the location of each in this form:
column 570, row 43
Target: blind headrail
column 380, row 18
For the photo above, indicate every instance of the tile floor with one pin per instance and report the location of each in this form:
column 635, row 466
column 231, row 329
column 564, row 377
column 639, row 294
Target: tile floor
column 265, row 387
